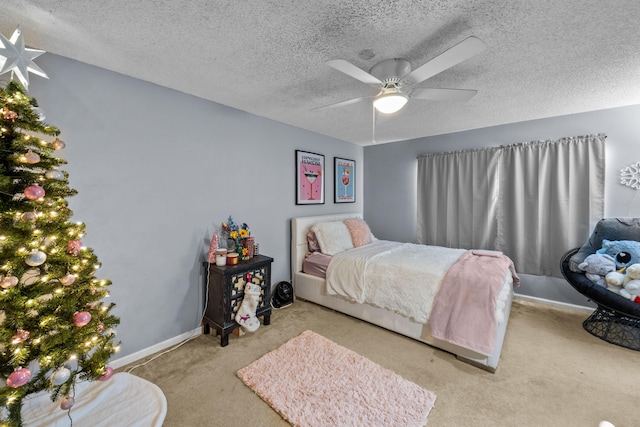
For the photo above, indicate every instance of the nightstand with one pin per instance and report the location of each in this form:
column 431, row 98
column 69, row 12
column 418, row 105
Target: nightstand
column 226, row 290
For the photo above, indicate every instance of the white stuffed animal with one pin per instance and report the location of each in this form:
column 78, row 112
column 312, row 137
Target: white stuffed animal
column 631, row 285
column 596, row 267
column 615, row 280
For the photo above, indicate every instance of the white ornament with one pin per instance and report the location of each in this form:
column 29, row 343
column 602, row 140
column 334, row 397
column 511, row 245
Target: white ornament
column 19, row 59
column 630, row 176
column 60, row 376
column 39, row 112
column 54, row 174
column 29, row 216
column 36, row 258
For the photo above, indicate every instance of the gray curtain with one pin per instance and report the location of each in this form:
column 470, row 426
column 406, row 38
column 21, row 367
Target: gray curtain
column 551, row 195
column 458, row 199
column 533, row 201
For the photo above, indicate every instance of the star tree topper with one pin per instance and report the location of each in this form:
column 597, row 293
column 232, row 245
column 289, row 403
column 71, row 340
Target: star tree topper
column 19, row 59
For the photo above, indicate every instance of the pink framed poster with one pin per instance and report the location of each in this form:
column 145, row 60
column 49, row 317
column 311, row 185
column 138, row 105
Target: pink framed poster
column 309, row 178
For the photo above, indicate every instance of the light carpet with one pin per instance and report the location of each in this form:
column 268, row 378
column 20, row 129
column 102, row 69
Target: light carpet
column 312, row 381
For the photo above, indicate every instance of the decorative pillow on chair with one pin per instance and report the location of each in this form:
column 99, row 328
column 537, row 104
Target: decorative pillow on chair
column 333, row 237
column 610, row 229
column 359, row 230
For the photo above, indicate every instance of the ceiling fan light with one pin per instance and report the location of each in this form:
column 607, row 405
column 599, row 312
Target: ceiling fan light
column 389, row 103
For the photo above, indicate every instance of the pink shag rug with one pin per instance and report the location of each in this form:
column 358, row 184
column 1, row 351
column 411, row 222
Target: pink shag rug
column 312, row 381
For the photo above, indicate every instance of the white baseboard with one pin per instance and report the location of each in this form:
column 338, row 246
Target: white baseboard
column 554, row 303
column 123, row 361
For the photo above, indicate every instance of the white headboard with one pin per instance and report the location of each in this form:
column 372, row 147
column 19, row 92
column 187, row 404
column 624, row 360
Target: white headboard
column 300, row 226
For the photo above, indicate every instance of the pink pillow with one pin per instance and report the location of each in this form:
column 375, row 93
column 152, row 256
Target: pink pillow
column 312, row 242
column 359, row 230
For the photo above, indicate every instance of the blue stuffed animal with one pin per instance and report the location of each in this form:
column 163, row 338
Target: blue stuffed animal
column 624, row 252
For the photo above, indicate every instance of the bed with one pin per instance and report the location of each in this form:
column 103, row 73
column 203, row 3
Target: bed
column 315, row 289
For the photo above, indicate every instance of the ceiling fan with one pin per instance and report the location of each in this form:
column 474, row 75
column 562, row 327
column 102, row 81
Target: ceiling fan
column 396, row 82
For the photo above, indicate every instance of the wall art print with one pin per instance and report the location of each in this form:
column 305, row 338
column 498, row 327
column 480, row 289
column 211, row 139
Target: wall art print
column 630, row 176
column 344, row 173
column 309, row 178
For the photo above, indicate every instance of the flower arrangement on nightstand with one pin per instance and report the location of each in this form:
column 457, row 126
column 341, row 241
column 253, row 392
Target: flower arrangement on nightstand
column 240, row 238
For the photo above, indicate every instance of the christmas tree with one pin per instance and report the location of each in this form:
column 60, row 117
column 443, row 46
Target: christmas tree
column 55, row 326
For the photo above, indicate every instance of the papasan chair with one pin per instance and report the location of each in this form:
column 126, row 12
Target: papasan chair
column 616, row 319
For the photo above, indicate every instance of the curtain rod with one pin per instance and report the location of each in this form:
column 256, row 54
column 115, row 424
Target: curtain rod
column 542, row 141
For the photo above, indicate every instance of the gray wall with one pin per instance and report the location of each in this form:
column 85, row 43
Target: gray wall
column 155, row 170
column 391, row 175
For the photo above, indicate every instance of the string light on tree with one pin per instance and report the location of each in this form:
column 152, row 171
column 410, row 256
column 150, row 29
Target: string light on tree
column 56, row 328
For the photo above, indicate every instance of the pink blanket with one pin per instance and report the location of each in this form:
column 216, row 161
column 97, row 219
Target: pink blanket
column 463, row 312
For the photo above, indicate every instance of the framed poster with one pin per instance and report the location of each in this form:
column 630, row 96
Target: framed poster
column 344, row 174
column 309, row 178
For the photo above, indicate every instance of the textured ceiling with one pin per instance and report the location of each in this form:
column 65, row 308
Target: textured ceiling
column 267, row 57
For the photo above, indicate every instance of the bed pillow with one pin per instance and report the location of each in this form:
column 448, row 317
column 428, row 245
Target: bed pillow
column 333, row 237
column 312, row 242
column 359, row 231
column 610, row 229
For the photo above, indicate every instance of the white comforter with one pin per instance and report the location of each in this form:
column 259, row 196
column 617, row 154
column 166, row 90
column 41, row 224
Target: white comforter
column 401, row 277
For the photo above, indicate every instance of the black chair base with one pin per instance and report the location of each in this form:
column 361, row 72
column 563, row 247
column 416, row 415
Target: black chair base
column 614, row 328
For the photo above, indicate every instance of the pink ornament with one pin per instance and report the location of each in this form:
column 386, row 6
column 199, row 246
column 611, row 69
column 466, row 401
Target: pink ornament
column 19, row 378
column 31, row 157
column 81, row 318
column 58, row 144
column 34, row 192
column 8, row 114
column 21, row 336
column 73, row 247
column 67, row 403
column 100, row 327
column 108, row 372
column 8, row 282
column 67, row 279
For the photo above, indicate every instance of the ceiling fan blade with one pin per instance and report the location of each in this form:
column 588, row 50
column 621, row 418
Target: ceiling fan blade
column 433, row 94
column 462, row 51
column 343, row 103
column 351, row 70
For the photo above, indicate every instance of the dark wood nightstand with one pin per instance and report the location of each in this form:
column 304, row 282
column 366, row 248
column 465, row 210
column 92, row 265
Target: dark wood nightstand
column 226, row 290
